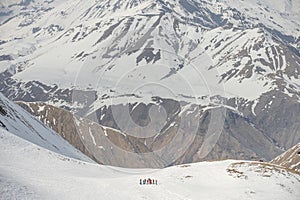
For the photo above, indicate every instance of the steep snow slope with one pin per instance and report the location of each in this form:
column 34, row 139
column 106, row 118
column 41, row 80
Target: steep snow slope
column 30, row 171
column 17, row 121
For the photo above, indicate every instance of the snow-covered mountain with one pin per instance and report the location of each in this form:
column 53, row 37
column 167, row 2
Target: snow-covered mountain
column 28, row 171
column 112, row 60
column 112, row 46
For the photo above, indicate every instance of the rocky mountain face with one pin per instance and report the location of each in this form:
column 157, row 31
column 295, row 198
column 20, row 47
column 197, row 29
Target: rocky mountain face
column 111, row 146
column 220, row 79
column 289, row 159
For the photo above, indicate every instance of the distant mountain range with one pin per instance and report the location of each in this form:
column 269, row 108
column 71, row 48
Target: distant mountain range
column 223, row 76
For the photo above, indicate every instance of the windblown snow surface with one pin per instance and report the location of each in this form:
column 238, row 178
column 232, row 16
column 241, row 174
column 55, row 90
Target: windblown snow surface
column 28, row 171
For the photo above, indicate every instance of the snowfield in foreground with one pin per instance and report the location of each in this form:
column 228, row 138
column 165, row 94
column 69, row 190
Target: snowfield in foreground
column 28, row 171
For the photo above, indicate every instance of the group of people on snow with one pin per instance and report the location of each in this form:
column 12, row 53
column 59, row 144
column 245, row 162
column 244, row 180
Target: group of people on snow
column 148, row 181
